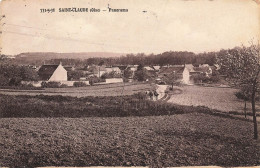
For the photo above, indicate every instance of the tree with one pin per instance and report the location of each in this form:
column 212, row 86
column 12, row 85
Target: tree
column 242, row 67
column 127, row 73
column 12, row 74
column 75, row 75
column 141, row 75
column 112, row 74
column 171, row 79
column 244, row 94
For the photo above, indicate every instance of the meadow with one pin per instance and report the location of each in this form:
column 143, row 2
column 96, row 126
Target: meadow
column 116, row 89
column 222, row 99
column 193, row 139
column 129, row 130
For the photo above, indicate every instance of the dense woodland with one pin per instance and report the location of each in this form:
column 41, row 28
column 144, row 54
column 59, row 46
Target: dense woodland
column 169, row 57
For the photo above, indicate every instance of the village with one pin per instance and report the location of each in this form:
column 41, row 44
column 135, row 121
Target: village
column 184, row 74
column 140, row 84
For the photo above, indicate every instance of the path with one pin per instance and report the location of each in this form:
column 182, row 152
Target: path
column 161, row 91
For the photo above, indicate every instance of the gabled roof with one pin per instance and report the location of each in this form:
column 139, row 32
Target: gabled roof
column 190, row 67
column 122, row 67
column 46, row 71
column 157, row 67
column 202, row 69
column 176, row 69
column 204, row 65
column 113, row 68
column 217, row 66
column 148, row 68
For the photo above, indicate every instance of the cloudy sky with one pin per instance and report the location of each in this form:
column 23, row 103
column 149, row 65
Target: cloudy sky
column 177, row 25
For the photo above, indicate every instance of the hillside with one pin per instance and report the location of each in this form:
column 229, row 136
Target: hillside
column 53, row 55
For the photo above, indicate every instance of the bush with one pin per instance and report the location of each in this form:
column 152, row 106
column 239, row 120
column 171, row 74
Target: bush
column 125, row 80
column 22, row 87
column 62, row 106
column 15, row 81
column 112, row 74
column 94, row 79
column 50, row 84
column 79, row 84
column 63, row 86
column 243, row 96
column 3, row 80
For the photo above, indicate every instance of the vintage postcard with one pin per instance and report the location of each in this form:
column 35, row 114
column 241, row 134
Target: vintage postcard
column 109, row 83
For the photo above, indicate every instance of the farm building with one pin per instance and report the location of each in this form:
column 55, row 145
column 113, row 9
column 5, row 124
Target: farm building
column 177, row 69
column 190, row 70
column 149, row 68
column 113, row 69
column 157, row 67
column 204, row 65
column 185, row 72
column 53, row 73
column 132, row 67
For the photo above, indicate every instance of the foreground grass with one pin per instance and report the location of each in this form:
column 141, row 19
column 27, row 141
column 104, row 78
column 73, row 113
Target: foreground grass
column 119, row 131
column 193, row 139
column 96, row 90
column 223, row 99
column 66, row 106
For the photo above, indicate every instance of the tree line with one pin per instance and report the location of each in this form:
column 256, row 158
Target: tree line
column 165, row 58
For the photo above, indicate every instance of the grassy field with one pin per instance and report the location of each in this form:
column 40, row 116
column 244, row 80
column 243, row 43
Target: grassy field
column 106, row 131
column 178, row 140
column 215, row 98
column 97, row 90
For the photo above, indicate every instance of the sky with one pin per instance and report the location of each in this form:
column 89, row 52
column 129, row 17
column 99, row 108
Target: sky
column 149, row 26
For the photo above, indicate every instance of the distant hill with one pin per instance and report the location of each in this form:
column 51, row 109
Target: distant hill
column 52, row 55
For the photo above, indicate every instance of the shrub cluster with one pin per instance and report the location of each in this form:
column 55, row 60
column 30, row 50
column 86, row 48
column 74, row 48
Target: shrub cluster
column 65, row 106
column 94, row 79
column 73, row 107
column 22, row 87
column 79, row 84
column 50, row 84
column 53, row 85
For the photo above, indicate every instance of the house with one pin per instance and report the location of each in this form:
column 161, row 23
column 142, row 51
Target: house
column 133, row 67
column 148, row 68
column 53, row 73
column 113, row 69
column 177, row 69
column 185, row 72
column 122, row 67
column 190, row 70
column 204, row 65
column 157, row 67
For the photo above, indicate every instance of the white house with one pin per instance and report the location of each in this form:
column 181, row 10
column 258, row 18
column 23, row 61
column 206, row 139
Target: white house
column 157, row 67
column 190, row 70
column 55, row 73
column 132, row 67
column 113, row 69
column 148, row 68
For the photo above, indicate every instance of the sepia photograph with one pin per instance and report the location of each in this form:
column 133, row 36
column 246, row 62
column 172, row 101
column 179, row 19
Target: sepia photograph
column 109, row 83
